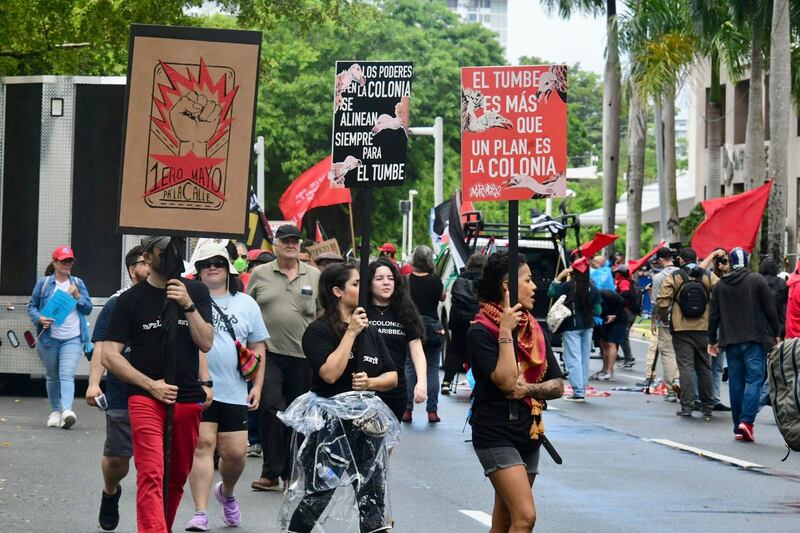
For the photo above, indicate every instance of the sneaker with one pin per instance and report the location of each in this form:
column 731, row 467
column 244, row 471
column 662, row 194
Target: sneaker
column 629, row 364
column 230, row 509
column 445, row 388
column 254, row 450
column 265, row 484
column 607, row 376
column 707, row 415
column 68, row 419
column 597, row 376
column 198, row 522
column 684, row 412
column 406, row 416
column 670, row 397
column 109, row 510
column 747, row 431
column 433, row 418
column 574, row 398
column 54, row 420
column 721, row 407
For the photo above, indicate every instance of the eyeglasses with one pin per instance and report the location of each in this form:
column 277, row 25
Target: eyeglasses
column 67, row 262
column 137, row 262
column 722, row 261
column 214, row 262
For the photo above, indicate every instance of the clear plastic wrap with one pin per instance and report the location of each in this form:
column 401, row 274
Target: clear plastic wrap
column 339, row 460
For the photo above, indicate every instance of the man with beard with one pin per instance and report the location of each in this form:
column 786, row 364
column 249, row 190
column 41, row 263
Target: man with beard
column 136, row 321
column 118, row 448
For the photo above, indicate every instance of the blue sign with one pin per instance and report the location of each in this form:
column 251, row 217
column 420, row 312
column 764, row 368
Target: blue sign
column 59, row 307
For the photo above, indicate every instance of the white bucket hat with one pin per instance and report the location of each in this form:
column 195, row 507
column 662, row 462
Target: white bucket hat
column 209, row 250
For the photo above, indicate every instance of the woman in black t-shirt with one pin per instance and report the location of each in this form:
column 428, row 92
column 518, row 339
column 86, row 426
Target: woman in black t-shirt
column 347, row 357
column 507, row 412
column 426, row 290
column 394, row 315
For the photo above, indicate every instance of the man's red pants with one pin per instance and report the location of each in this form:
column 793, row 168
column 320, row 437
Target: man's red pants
column 148, row 418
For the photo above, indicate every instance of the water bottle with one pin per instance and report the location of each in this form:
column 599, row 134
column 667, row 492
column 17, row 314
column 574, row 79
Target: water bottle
column 327, row 477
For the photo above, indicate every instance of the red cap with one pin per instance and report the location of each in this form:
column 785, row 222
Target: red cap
column 581, row 265
column 63, row 252
column 253, row 254
column 388, row 247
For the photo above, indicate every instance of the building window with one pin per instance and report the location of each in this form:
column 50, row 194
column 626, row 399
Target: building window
column 741, row 94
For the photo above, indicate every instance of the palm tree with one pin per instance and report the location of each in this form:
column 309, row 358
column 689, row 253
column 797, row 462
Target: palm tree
column 611, row 97
column 660, row 49
column 780, row 102
column 637, row 137
column 753, row 16
column 720, row 41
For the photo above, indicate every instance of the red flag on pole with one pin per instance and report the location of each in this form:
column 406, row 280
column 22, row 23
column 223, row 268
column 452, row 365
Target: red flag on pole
column 731, row 221
column 311, row 189
column 635, row 265
column 600, row 241
column 319, row 236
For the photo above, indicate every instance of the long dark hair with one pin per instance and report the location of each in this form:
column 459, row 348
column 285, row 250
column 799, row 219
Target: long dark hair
column 580, row 296
column 400, row 301
column 336, row 275
column 490, row 285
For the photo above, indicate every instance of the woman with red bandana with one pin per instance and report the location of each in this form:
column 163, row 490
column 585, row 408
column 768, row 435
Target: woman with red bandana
column 509, row 389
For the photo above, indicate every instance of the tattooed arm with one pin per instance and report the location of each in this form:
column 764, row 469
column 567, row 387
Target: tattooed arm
column 547, row 390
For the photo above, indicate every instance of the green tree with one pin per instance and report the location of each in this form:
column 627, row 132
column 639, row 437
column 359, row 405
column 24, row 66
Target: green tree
column 296, row 99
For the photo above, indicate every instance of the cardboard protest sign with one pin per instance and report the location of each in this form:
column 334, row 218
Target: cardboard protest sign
column 59, row 306
column 190, row 114
column 370, row 123
column 513, row 132
column 315, row 250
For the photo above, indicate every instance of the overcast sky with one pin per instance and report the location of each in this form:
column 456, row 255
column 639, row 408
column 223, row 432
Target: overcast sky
column 531, row 31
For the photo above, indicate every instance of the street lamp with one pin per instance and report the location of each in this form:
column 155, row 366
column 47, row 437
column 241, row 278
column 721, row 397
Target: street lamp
column 411, row 194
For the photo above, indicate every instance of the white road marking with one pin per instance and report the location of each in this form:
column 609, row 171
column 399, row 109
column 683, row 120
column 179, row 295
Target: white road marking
column 480, row 516
column 705, row 453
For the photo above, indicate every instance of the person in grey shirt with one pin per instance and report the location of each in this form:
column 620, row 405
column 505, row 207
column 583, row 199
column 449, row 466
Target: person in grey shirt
column 658, row 328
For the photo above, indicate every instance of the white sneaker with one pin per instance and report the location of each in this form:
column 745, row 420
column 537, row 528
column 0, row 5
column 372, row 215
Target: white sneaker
column 54, row 420
column 68, row 419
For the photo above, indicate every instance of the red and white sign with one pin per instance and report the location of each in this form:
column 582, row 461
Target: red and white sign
column 513, row 132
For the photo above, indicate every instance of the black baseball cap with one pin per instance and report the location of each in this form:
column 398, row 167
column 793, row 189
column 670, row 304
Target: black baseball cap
column 287, row 231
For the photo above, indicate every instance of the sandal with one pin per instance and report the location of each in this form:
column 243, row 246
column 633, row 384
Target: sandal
column 597, row 376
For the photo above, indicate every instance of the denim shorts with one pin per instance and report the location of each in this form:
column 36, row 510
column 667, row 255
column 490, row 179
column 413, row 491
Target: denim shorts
column 507, row 456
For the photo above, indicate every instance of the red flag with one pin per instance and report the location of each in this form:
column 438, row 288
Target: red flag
column 319, row 237
column 600, row 241
column 634, row 265
column 311, row 189
column 731, row 221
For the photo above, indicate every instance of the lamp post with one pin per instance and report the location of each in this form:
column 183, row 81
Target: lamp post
column 411, row 194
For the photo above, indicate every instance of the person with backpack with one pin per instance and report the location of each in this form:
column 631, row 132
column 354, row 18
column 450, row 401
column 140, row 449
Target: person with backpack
column 463, row 308
column 683, row 303
column 583, row 298
column 779, row 290
column 743, row 321
column 719, row 263
column 632, row 294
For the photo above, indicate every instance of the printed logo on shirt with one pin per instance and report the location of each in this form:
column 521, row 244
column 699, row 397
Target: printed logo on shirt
column 371, row 359
column 388, row 327
column 157, row 324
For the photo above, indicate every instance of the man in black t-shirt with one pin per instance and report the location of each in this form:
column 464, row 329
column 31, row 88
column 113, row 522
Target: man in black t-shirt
column 136, row 321
column 118, row 448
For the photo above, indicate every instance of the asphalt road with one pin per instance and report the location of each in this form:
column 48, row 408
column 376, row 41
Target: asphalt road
column 615, row 477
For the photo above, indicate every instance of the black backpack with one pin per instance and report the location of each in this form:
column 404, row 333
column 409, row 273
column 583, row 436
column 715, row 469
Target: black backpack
column 636, row 298
column 692, row 296
column 463, row 302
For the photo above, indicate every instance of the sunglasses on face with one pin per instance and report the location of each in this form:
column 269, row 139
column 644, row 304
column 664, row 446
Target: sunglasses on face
column 67, row 262
column 215, row 262
column 722, row 261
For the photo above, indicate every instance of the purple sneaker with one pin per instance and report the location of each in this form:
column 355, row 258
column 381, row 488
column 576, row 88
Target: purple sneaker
column 230, row 509
column 199, row 522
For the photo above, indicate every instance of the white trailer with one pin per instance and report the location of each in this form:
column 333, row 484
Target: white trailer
column 60, row 151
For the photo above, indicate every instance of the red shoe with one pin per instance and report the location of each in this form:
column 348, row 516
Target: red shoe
column 406, row 416
column 747, row 432
column 433, row 418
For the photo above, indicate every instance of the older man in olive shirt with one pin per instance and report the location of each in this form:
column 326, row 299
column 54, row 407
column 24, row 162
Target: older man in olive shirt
column 286, row 291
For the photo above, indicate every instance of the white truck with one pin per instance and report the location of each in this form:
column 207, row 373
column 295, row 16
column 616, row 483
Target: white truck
column 60, row 150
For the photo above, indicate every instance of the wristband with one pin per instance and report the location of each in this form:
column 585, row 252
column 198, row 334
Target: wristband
column 505, row 340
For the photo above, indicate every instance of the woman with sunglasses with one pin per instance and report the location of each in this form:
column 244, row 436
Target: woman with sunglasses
column 60, row 344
